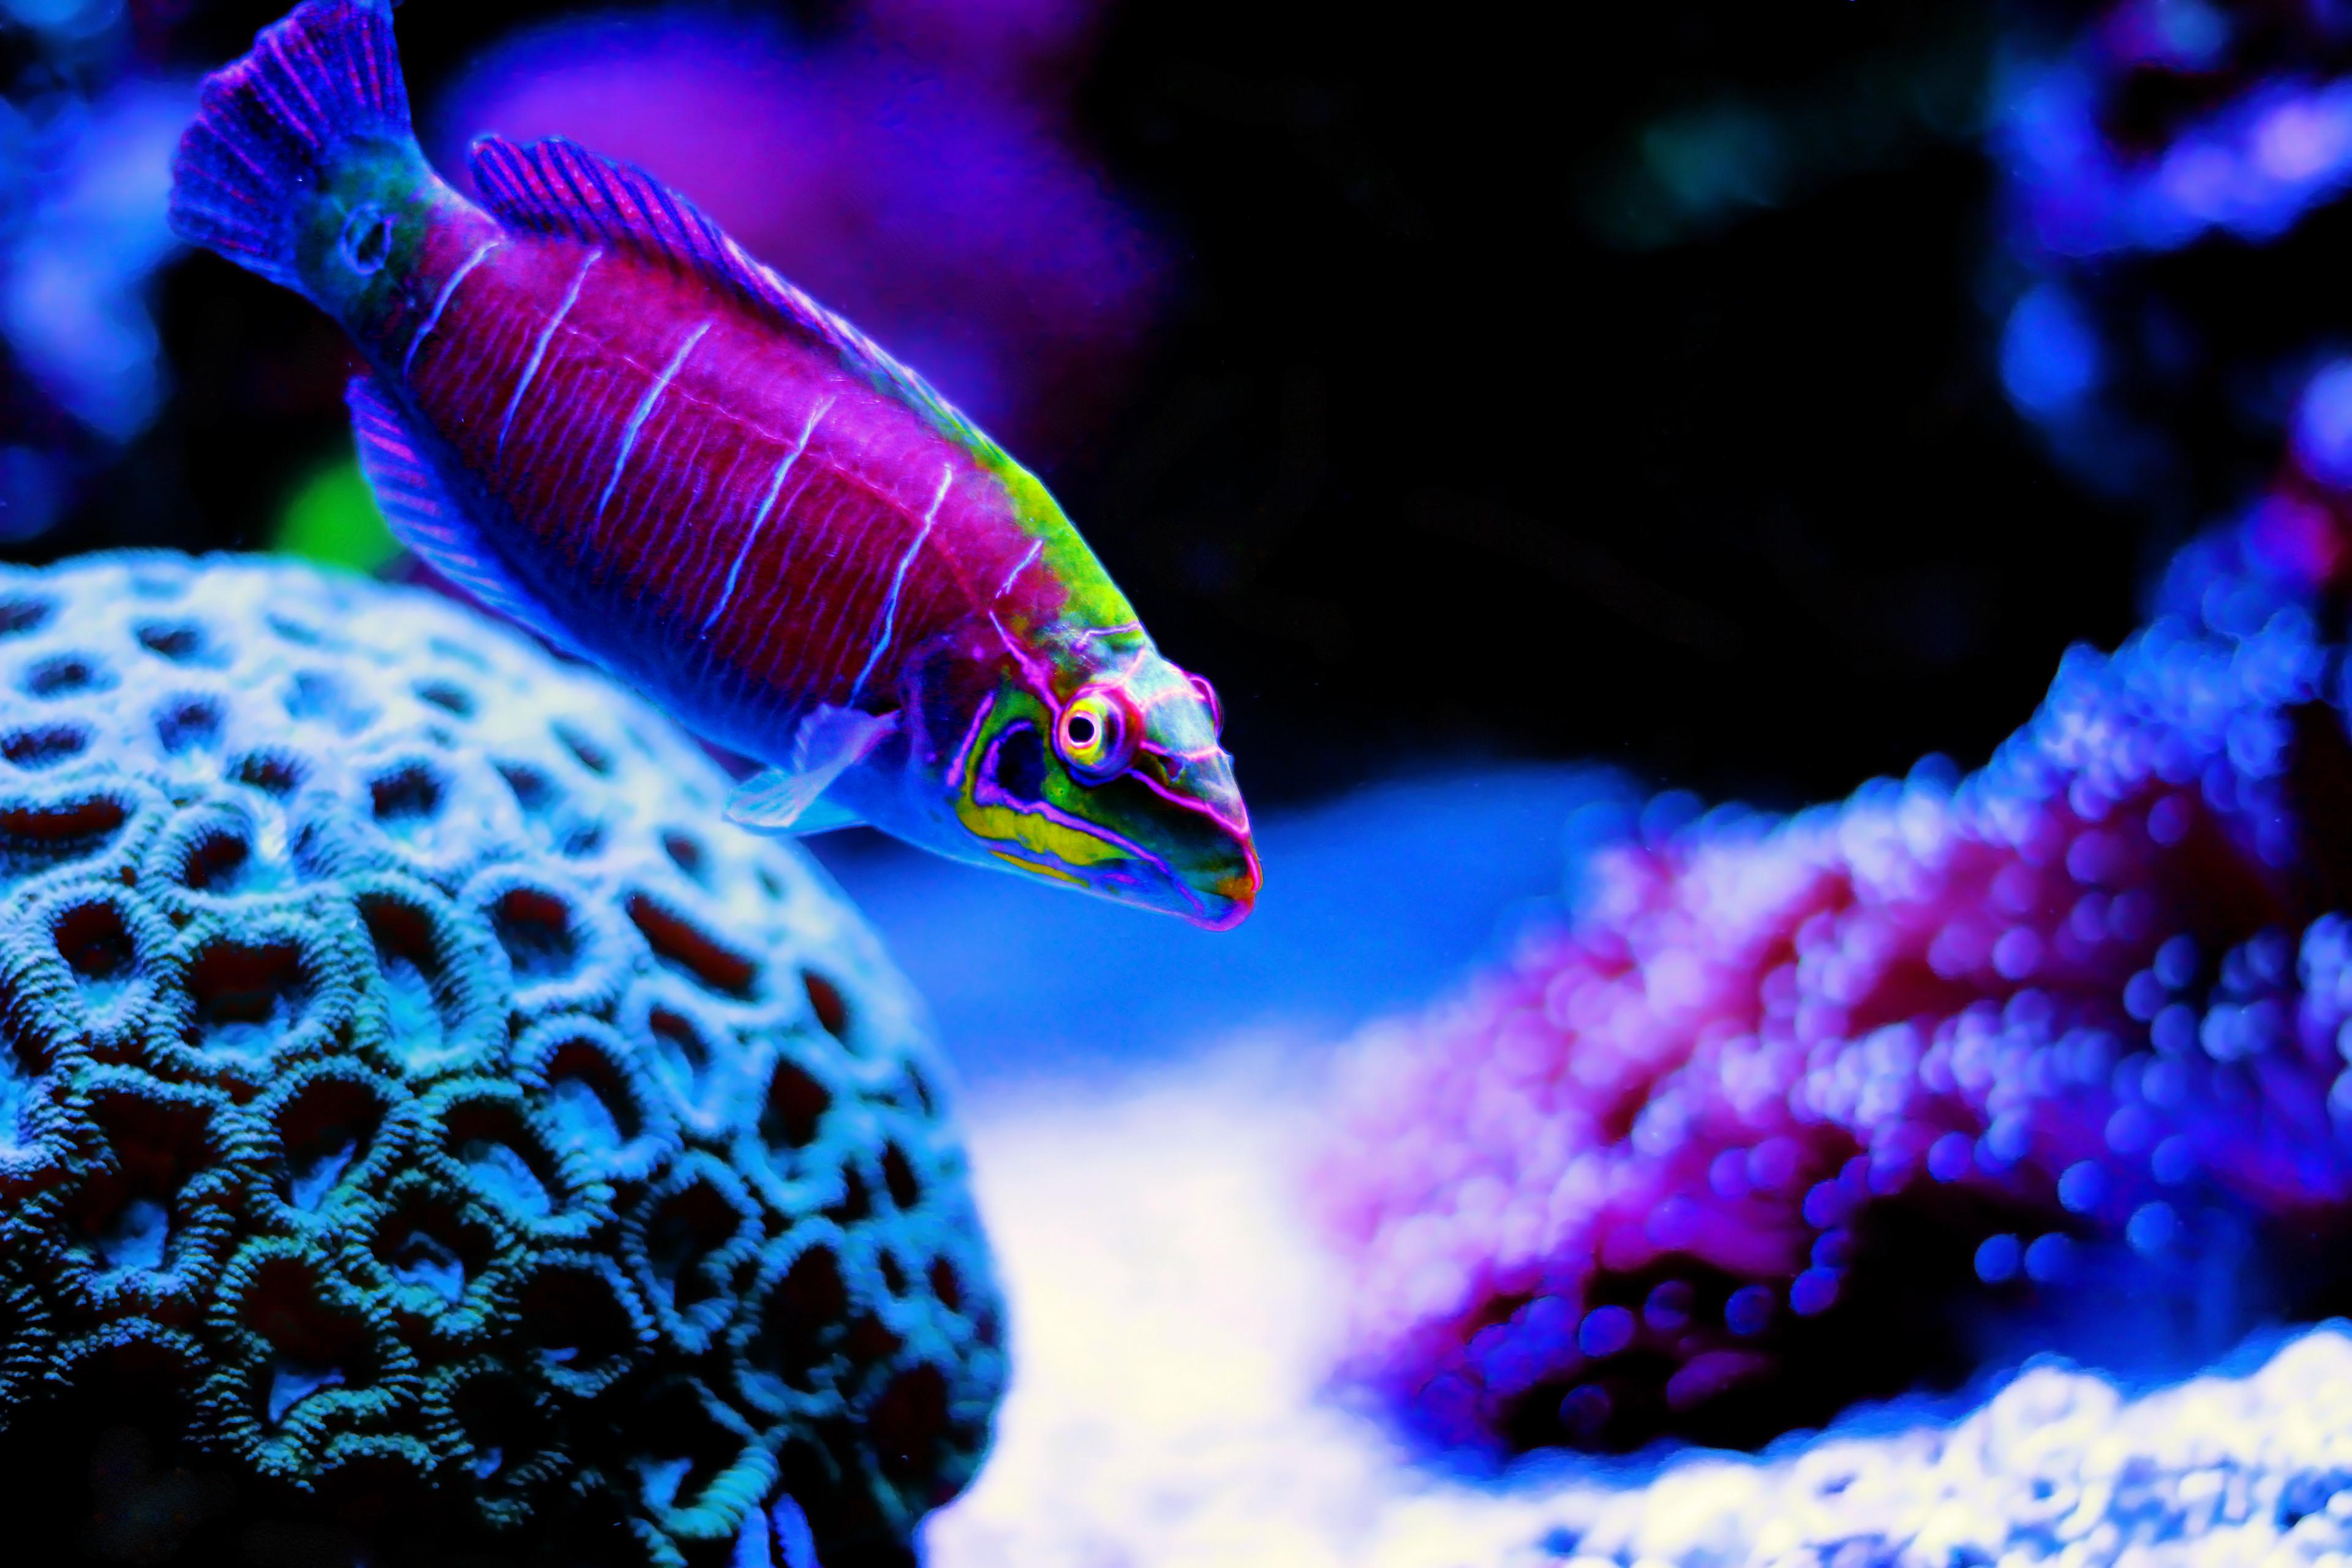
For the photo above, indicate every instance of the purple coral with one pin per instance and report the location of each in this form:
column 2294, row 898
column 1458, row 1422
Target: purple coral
column 420, row 1113
column 1723, row 1152
column 2166, row 121
column 2142, row 163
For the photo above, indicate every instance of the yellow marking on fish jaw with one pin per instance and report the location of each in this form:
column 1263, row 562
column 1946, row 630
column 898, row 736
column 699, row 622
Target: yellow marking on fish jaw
column 1038, row 866
column 1035, row 832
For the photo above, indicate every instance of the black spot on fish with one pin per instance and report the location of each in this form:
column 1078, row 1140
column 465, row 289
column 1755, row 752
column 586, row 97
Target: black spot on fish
column 1018, row 763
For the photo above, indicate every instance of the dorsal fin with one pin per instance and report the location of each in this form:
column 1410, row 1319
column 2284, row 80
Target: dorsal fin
column 559, row 187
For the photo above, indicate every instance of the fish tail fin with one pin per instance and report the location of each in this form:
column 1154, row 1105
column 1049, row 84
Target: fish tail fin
column 272, row 127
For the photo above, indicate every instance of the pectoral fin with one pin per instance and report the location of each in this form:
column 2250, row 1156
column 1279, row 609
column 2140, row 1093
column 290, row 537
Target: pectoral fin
column 784, row 799
column 825, row 816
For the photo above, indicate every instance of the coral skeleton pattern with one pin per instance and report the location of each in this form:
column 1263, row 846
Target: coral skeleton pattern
column 418, row 1111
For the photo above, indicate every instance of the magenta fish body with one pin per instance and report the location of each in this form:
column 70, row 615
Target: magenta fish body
column 647, row 439
column 594, row 412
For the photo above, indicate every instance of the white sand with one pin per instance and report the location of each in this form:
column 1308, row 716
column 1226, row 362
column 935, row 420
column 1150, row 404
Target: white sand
column 1173, row 1317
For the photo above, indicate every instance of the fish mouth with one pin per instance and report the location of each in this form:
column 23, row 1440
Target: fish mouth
column 1215, row 890
column 1215, row 898
column 1223, row 903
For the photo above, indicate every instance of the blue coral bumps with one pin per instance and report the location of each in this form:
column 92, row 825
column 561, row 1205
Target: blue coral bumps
column 420, row 1114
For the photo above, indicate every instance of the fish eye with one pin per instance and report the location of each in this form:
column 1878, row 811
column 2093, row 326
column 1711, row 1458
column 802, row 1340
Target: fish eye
column 366, row 241
column 1098, row 735
column 1208, row 695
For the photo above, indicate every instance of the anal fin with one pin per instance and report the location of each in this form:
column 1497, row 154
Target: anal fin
column 426, row 515
column 828, row 741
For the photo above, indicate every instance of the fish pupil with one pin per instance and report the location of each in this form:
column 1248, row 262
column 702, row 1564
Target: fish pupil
column 1082, row 729
column 367, row 238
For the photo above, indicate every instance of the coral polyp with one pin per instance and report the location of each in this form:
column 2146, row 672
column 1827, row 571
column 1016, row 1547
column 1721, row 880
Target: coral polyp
column 421, row 1113
column 1748, row 1136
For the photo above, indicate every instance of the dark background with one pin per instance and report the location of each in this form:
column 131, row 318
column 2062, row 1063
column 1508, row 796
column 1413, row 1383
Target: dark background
column 1429, row 462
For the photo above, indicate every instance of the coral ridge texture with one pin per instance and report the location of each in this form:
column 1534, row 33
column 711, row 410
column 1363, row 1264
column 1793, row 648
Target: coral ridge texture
column 421, row 1114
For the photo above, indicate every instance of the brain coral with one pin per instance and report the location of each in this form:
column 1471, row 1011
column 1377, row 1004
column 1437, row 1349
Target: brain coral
column 1790, row 1099
column 421, row 1114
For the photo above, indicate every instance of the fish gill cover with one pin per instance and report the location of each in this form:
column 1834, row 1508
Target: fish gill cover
column 420, row 1114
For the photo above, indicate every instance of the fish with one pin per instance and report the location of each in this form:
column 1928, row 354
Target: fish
column 588, row 407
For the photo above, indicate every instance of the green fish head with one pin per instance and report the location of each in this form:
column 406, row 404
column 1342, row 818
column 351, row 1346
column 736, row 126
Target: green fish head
column 1094, row 764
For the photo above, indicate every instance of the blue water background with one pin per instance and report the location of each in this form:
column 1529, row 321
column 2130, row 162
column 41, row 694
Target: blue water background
column 1373, row 902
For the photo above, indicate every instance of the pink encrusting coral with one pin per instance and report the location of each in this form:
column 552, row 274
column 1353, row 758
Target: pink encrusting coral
column 422, row 1116
column 1723, row 1150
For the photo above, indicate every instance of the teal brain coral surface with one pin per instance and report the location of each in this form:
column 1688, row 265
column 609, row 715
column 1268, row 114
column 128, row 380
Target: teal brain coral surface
column 426, row 1130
